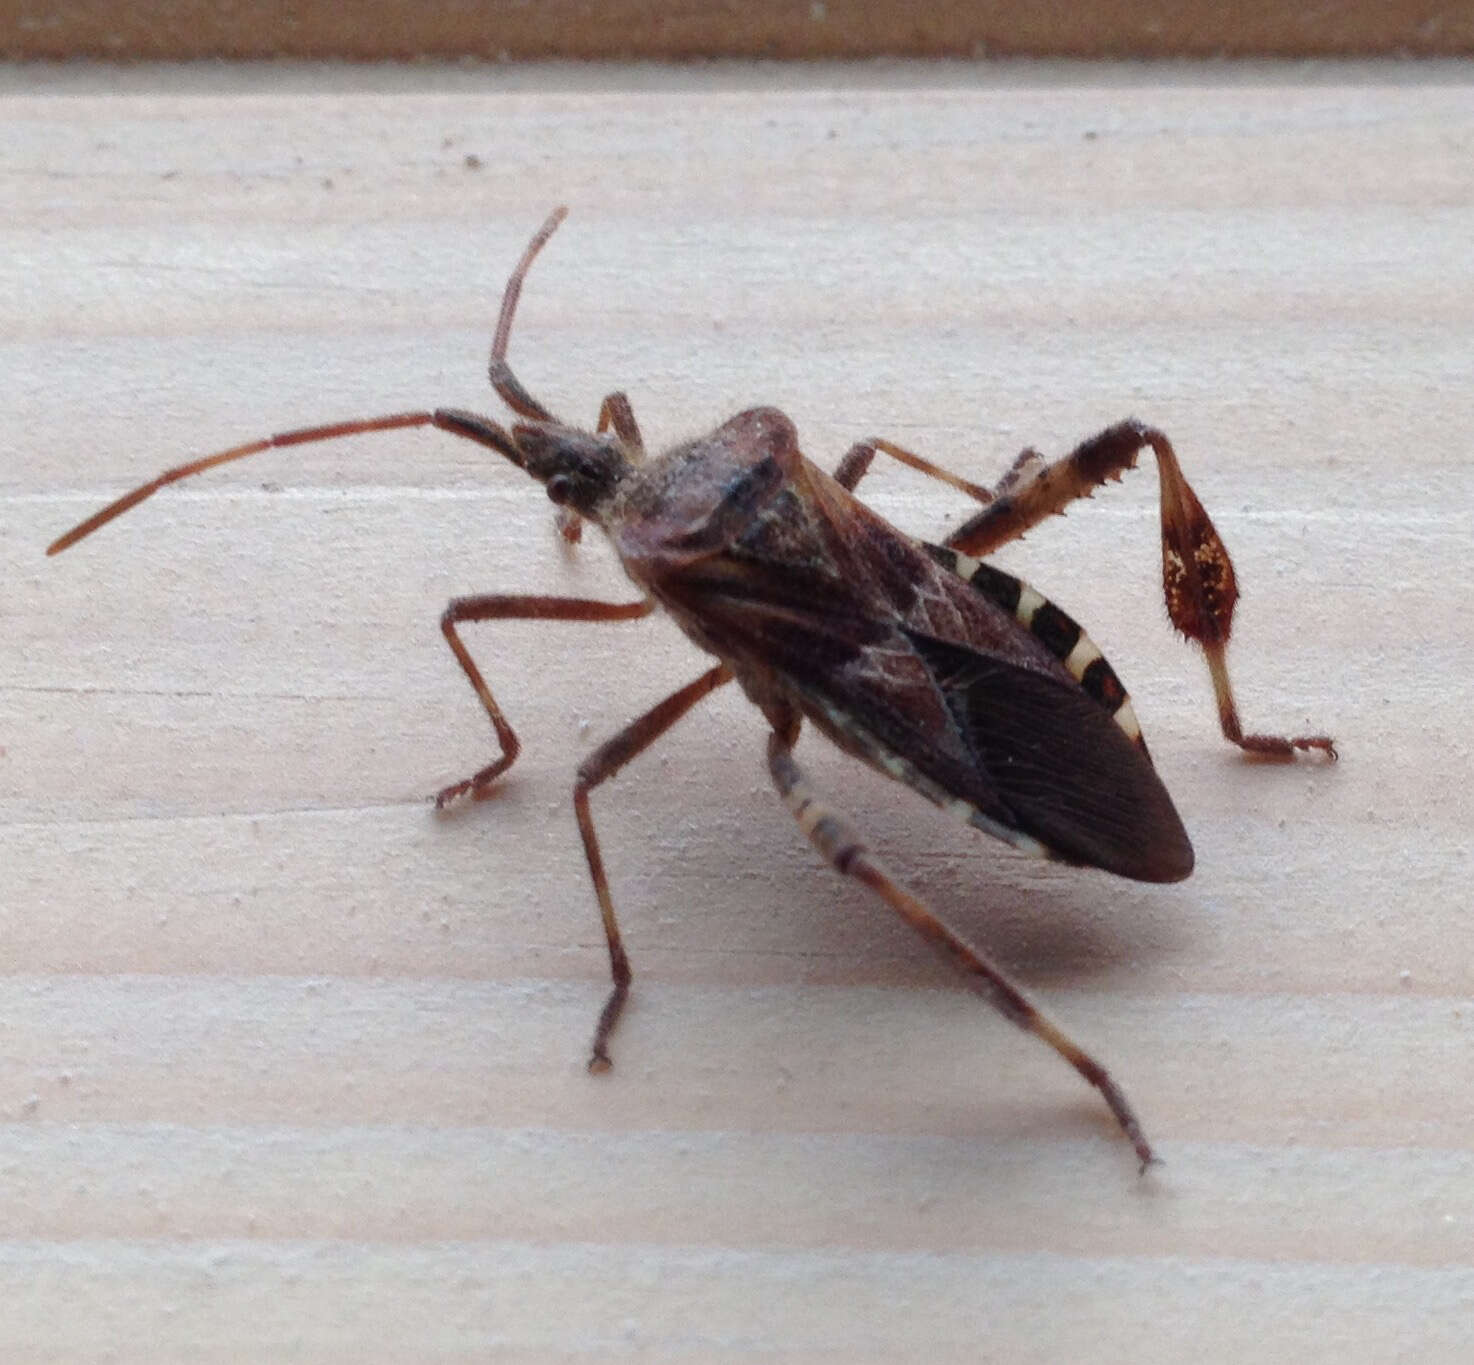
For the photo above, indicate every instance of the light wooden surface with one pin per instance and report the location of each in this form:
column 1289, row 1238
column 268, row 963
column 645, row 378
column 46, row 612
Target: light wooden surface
column 292, row 1070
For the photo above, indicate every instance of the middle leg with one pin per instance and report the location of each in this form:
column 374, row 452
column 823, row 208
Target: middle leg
column 858, row 458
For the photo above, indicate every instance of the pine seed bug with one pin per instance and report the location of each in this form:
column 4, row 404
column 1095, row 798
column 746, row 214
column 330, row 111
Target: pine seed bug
column 920, row 659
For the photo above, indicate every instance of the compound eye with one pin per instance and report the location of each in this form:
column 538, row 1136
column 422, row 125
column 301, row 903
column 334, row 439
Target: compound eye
column 560, row 488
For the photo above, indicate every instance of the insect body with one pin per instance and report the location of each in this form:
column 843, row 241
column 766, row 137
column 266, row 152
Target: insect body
column 919, row 659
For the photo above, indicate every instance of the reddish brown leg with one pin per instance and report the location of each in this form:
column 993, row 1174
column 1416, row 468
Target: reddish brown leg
column 1197, row 573
column 508, row 607
column 843, row 849
column 603, row 763
column 857, row 460
column 615, row 412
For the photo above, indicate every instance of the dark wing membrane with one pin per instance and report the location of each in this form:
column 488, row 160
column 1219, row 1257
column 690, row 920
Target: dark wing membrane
column 1060, row 764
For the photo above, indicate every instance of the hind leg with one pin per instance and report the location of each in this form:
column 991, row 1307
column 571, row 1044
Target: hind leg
column 842, row 848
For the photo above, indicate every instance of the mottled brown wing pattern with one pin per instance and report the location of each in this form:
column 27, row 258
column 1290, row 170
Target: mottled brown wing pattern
column 933, row 679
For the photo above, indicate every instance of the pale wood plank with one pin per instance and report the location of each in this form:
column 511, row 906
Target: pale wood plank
column 294, row 1067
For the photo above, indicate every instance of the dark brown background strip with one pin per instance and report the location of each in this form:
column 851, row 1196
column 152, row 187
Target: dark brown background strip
column 582, row 29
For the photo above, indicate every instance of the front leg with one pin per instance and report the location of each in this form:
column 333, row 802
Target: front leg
column 510, row 607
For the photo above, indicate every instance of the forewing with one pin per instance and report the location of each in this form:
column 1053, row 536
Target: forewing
column 904, row 664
